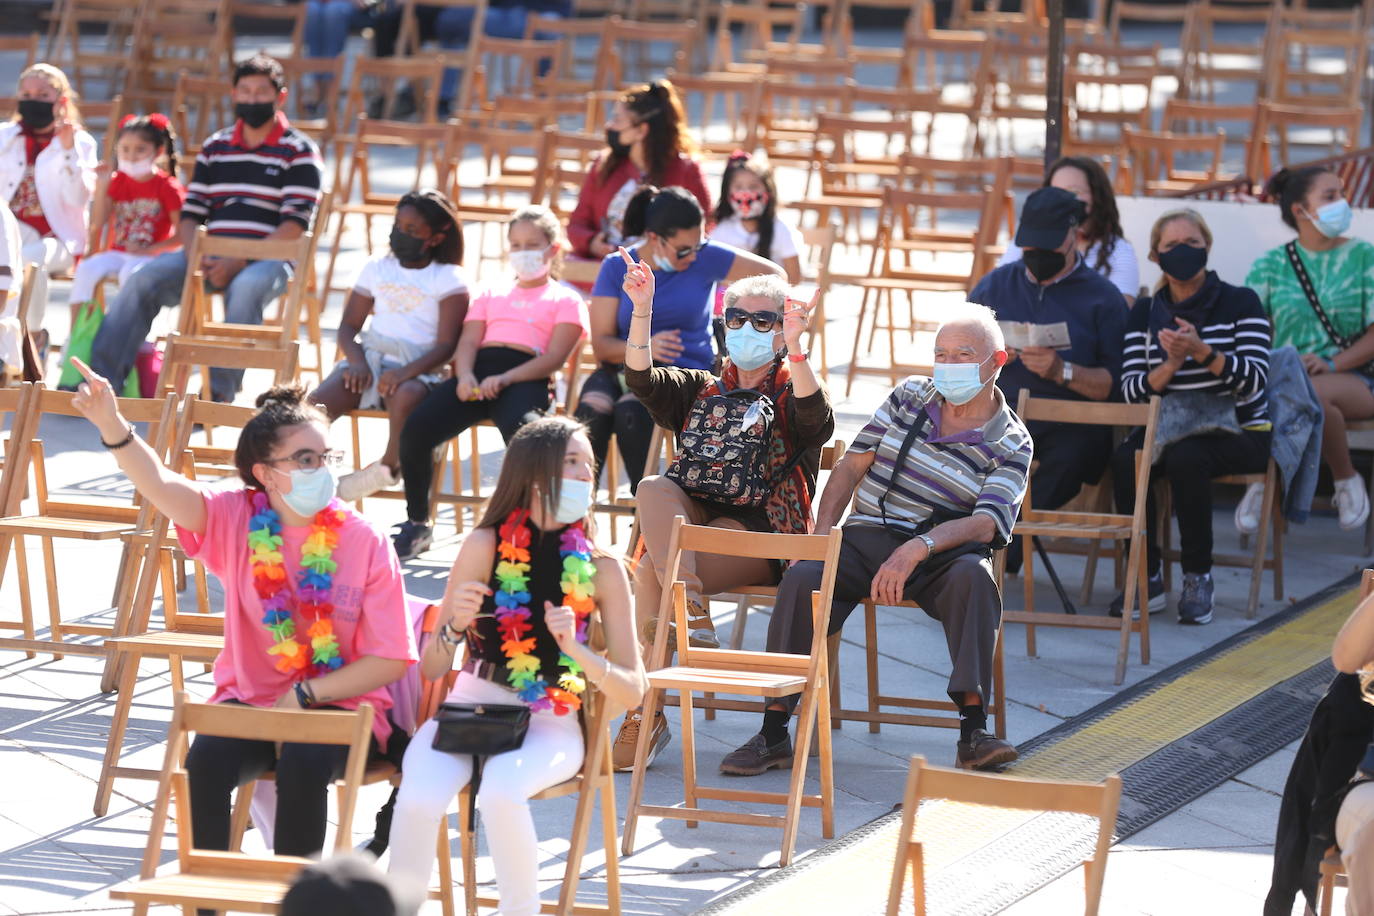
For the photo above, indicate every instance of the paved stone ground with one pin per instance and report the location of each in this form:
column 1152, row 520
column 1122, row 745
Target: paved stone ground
column 1212, row 855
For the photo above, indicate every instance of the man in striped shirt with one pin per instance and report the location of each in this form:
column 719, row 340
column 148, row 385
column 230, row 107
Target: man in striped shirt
column 259, row 178
column 936, row 479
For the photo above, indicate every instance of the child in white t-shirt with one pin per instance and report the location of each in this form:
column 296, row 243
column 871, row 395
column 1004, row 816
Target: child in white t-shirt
column 416, row 299
column 746, row 214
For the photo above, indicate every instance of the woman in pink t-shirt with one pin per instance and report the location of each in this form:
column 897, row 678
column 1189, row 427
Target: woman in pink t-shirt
column 314, row 602
column 516, row 335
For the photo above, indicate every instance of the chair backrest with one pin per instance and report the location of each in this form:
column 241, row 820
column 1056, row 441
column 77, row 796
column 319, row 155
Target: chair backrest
column 766, row 546
column 509, row 67
column 197, row 318
column 229, row 720
column 200, row 106
column 1294, row 81
column 327, row 75
column 1274, row 119
column 434, row 152
column 1096, row 413
column 563, row 166
column 182, row 354
column 727, row 107
column 1099, row 800
column 758, row 25
column 16, row 405
column 288, row 15
column 941, row 58
column 421, row 72
column 1151, row 158
column 626, row 48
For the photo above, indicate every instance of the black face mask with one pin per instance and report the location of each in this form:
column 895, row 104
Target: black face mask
column 406, row 247
column 1043, row 263
column 255, row 114
column 613, row 141
column 36, row 114
column 1183, row 262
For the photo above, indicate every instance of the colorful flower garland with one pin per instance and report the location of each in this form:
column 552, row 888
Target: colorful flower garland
column 513, row 613
column 312, row 599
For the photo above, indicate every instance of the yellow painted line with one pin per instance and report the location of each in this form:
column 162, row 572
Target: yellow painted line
column 856, row 880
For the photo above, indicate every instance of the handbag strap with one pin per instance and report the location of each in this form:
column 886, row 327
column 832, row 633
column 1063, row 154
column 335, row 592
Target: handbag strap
column 1300, row 269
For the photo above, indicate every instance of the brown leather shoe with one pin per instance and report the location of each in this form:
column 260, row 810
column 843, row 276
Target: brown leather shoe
column 984, row 752
column 755, row 757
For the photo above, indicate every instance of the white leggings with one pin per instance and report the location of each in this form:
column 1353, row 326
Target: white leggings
column 552, row 753
column 1355, row 836
column 50, row 256
column 96, row 267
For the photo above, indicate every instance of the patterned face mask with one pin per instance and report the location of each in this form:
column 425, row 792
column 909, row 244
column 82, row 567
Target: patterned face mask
column 748, row 204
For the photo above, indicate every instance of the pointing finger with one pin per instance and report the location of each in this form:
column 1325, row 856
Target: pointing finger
column 625, row 255
column 84, row 369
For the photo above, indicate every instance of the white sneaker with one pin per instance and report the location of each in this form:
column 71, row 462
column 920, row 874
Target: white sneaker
column 1248, row 512
column 1352, row 503
column 369, row 480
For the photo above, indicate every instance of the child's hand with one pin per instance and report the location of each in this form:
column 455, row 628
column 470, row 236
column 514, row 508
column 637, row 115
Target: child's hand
column 357, row 378
column 493, row 385
column 468, row 387
column 388, row 382
column 103, row 173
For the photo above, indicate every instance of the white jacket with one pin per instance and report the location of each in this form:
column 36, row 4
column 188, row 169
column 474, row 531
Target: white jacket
column 65, row 180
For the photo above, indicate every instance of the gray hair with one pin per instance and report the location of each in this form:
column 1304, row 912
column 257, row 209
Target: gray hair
column 980, row 316
column 769, row 286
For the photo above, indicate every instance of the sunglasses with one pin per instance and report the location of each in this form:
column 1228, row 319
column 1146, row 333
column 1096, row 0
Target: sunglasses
column 688, row 250
column 762, row 321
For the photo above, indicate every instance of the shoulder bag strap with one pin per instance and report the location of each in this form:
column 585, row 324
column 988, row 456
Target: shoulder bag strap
column 905, row 449
column 1300, row 269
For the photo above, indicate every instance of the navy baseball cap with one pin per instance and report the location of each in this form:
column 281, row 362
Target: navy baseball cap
column 1047, row 216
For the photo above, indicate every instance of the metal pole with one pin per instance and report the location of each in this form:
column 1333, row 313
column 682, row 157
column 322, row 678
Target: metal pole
column 1054, row 82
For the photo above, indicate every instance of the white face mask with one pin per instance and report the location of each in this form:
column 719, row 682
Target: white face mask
column 136, row 168
column 574, row 501
column 529, row 265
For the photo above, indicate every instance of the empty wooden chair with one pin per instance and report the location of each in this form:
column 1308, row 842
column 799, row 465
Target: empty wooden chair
column 1098, row 800
column 1151, row 167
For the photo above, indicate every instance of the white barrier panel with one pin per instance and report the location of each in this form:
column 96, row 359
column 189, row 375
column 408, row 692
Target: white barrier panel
column 1241, row 232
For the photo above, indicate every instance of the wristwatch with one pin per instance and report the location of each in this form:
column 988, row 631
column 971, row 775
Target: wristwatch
column 929, row 542
column 1066, row 373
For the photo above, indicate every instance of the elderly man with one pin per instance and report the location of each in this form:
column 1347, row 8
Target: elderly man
column 939, row 471
column 1073, row 323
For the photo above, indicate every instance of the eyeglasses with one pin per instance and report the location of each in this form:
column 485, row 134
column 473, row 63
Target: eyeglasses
column 307, row 459
column 762, row 321
column 688, row 250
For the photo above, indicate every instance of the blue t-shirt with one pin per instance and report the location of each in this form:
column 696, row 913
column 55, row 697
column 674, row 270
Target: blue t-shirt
column 683, row 299
column 1091, row 306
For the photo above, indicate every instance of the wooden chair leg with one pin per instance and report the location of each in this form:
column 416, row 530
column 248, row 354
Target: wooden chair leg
column 652, row 701
column 445, row 859
column 797, row 784
column 871, row 658
column 689, row 750
column 1028, row 589
column 858, row 335
column 54, row 599
column 826, row 763
column 738, row 627
column 119, row 722
column 21, row 569
column 467, row 848
column 832, row 656
column 1257, row 562
column 242, row 812
column 608, row 835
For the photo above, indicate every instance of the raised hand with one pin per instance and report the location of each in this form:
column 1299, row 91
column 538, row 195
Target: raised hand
column 95, row 399
column 638, row 284
column 462, row 602
column 796, row 318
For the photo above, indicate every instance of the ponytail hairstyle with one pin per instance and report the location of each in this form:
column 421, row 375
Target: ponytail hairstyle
column 59, row 82
column 278, row 407
column 1103, row 225
column 661, row 212
column 659, row 106
column 156, row 130
column 758, row 166
column 1290, row 186
column 440, row 215
column 543, row 219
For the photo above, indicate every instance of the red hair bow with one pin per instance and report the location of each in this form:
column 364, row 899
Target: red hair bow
column 739, row 155
column 156, row 120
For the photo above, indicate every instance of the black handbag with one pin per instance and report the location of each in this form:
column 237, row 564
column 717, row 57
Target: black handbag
column 482, row 730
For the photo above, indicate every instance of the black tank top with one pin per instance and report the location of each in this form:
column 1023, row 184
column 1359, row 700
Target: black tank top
column 545, row 584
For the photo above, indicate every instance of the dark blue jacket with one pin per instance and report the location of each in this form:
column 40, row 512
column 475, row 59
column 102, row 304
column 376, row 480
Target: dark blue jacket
column 1091, row 306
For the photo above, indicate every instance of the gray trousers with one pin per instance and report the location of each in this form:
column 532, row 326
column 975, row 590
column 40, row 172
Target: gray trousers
column 961, row 594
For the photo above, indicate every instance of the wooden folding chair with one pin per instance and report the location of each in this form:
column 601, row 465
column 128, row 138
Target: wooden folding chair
column 171, row 36
column 727, row 109
column 1102, row 108
column 763, row 675
column 1100, row 526
column 1274, row 120
column 200, row 106
column 1150, row 166
column 314, row 111
column 563, row 165
column 234, row 881
column 379, row 78
column 1164, row 14
column 1210, row 63
column 509, row 68
column 113, row 21
column 901, row 237
column 289, row 17
column 409, row 41
column 1339, row 87
column 819, row 244
column 355, row 195
column 626, row 50
column 103, row 118
column 788, row 115
column 579, row 41
column 951, row 65
column 1259, row 559
column 73, row 519
column 757, row 27
column 1098, row 800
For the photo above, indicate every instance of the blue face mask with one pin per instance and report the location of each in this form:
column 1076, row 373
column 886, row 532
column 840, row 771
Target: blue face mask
column 311, row 490
column 663, row 264
column 574, row 501
column 959, row 383
column 1333, row 219
column 749, row 348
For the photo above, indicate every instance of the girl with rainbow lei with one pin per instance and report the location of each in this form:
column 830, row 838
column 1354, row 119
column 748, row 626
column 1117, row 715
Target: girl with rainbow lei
column 521, row 596
column 314, row 602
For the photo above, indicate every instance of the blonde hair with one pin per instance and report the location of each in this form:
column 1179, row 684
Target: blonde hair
column 58, row 81
column 546, row 222
column 1157, row 231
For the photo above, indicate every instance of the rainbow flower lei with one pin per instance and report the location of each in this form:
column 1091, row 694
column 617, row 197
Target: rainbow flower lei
column 314, row 585
column 513, row 613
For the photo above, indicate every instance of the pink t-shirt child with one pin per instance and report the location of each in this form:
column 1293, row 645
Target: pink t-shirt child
column 368, row 594
column 526, row 316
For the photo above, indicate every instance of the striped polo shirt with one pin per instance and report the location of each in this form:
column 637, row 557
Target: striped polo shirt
column 248, row 192
column 979, row 471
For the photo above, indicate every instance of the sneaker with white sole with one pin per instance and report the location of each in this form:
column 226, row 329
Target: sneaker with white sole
column 369, row 480
column 623, row 748
column 1352, row 502
column 1248, row 511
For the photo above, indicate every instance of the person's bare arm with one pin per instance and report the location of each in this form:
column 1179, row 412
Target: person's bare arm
column 467, row 589
column 839, row 488
column 1354, row 646
column 748, row 264
column 619, row 674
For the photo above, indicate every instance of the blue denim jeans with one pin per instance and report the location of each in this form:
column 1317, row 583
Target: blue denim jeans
column 454, row 27
column 327, row 24
column 158, row 285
